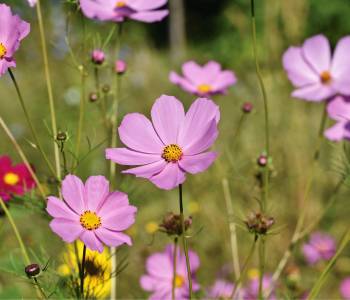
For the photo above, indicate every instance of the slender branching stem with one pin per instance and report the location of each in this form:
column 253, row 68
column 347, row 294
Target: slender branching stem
column 174, row 270
column 49, row 87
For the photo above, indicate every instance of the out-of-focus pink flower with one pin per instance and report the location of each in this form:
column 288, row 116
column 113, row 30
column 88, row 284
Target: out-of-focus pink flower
column 314, row 73
column 98, row 56
column 345, row 288
column 91, row 213
column 251, row 291
column 320, row 246
column 160, row 274
column 339, row 110
column 221, row 289
column 32, row 3
column 120, row 67
column 12, row 31
column 118, row 11
column 14, row 180
column 170, row 147
column 203, row 80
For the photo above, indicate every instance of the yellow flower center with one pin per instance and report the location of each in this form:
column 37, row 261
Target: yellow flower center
column 11, row 178
column 253, row 274
column 172, row 153
column 120, row 4
column 179, row 281
column 204, row 88
column 3, row 50
column 89, row 220
column 326, row 77
column 151, row 227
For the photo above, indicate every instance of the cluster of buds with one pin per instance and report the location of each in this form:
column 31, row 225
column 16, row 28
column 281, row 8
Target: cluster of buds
column 172, row 224
column 32, row 270
column 258, row 224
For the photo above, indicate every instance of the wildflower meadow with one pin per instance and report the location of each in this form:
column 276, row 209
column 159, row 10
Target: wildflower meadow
column 174, row 149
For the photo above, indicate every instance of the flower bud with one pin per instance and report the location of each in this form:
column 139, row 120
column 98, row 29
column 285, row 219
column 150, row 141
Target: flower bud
column 98, row 57
column 106, row 88
column 93, row 97
column 61, row 136
column 258, row 223
column 262, row 160
column 120, row 67
column 247, row 107
column 172, row 224
column 32, row 270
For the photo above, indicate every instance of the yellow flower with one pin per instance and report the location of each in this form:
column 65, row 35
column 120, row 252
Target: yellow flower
column 98, row 268
column 151, row 227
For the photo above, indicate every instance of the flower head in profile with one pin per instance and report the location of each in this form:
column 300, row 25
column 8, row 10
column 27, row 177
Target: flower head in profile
column 173, row 145
column 339, row 110
column 319, row 247
column 120, row 10
column 313, row 71
column 345, row 288
column 160, row 274
column 14, row 180
column 205, row 80
column 91, row 213
column 98, row 267
column 12, row 31
column 221, row 289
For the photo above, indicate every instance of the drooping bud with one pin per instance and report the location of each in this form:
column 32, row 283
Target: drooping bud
column 98, row 57
column 120, row 67
column 32, row 270
column 172, row 224
column 258, row 223
column 247, row 107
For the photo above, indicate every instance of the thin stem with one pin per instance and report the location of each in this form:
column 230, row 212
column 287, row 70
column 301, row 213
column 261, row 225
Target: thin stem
column 49, row 87
column 232, row 227
column 174, row 270
column 40, row 288
column 261, row 266
column 82, row 274
column 63, row 153
column 31, row 127
column 323, row 276
column 184, row 241
column 81, row 111
column 23, row 157
column 97, row 81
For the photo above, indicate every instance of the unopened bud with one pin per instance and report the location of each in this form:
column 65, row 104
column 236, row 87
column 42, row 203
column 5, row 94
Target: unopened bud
column 258, row 223
column 61, row 136
column 32, row 270
column 172, row 224
column 262, row 160
column 98, row 57
column 120, row 67
column 93, row 97
column 247, row 107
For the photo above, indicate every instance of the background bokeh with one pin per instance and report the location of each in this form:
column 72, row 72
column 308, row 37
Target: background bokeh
column 215, row 30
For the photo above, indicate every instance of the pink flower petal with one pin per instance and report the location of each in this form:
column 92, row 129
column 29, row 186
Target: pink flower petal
column 316, row 92
column 317, row 52
column 96, row 190
column 311, row 254
column 159, row 265
column 112, row 238
column 73, row 193
column 299, row 72
column 336, row 132
column 167, row 116
column 184, row 83
column 68, row 230
column 193, row 72
column 140, row 5
column 341, row 59
column 58, row 209
column 121, row 199
column 211, row 70
column 102, row 11
column 118, row 218
column 147, row 171
column 197, row 119
column 170, row 177
column 137, row 132
column 339, row 108
column 150, row 16
column 224, row 80
column 197, row 163
column 91, row 241
column 128, row 157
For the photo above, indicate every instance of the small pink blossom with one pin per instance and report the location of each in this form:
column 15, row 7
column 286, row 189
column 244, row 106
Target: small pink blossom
column 205, row 80
column 175, row 144
column 345, row 288
column 221, row 289
column 320, row 246
column 91, row 213
column 160, row 274
column 315, row 74
column 120, row 66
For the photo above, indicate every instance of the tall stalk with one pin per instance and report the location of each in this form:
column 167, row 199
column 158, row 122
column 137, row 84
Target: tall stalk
column 81, row 110
column 184, row 241
column 49, row 88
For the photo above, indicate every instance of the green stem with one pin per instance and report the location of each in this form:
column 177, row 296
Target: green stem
column 82, row 274
column 81, row 111
column 184, row 241
column 261, row 266
column 49, row 87
column 31, row 127
column 174, row 270
column 40, row 288
column 323, row 276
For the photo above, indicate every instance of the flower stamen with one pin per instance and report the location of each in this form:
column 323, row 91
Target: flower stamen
column 11, row 178
column 326, row 77
column 3, row 50
column 172, row 153
column 90, row 220
column 179, row 281
column 204, row 88
column 120, row 4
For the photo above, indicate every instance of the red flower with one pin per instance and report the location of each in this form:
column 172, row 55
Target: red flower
column 14, row 180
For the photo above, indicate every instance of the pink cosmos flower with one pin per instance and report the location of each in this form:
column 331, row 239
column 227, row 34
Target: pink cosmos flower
column 12, row 31
column 221, row 289
column 121, row 10
column 320, row 247
column 203, row 81
column 315, row 74
column 345, row 288
column 160, row 274
column 91, row 213
column 251, row 291
column 339, row 110
column 174, row 144
column 14, row 180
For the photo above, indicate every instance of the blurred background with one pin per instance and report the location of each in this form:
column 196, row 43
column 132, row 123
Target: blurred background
column 199, row 30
